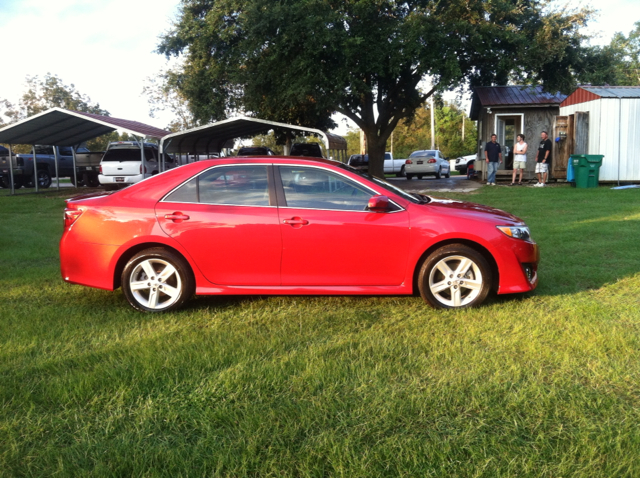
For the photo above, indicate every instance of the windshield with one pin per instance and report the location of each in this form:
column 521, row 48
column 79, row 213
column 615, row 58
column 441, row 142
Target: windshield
column 414, row 198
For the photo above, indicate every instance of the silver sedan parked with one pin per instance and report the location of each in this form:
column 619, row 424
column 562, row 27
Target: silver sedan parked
column 427, row 162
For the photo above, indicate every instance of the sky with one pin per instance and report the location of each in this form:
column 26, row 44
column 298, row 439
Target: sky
column 106, row 48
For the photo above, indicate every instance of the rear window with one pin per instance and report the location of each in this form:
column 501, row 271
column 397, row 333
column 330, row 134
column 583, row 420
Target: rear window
column 423, row 154
column 132, row 154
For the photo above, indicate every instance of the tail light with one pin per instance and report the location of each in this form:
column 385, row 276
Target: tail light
column 408, row 161
column 101, row 169
column 432, row 160
column 71, row 216
column 145, row 169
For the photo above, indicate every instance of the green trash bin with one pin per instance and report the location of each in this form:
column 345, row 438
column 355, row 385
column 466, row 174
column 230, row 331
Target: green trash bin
column 586, row 168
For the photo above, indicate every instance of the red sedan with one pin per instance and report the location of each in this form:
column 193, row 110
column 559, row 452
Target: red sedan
column 282, row 225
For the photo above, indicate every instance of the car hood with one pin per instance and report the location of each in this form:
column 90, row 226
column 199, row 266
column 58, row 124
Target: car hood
column 473, row 210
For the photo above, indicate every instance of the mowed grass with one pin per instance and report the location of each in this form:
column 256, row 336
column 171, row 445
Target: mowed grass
column 545, row 384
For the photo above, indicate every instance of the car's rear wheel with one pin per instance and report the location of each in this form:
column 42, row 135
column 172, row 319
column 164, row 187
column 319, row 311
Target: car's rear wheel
column 91, row 180
column 157, row 280
column 6, row 182
column 455, row 276
column 409, row 177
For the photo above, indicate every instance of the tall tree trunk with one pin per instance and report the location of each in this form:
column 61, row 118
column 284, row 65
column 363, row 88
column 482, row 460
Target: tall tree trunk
column 376, row 148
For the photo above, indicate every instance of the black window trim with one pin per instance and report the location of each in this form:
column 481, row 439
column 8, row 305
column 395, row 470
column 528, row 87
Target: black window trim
column 270, row 185
column 282, row 202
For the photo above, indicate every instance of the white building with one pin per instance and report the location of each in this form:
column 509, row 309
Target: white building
column 613, row 127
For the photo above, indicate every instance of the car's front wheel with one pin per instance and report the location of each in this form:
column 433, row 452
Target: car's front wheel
column 157, row 280
column 400, row 174
column 455, row 276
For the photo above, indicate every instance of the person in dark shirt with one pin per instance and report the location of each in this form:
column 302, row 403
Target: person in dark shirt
column 493, row 156
column 543, row 159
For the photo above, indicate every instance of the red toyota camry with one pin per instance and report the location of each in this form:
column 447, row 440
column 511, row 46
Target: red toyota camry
column 282, row 225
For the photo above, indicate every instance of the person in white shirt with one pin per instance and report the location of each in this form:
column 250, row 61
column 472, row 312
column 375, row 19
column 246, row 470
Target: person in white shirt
column 520, row 159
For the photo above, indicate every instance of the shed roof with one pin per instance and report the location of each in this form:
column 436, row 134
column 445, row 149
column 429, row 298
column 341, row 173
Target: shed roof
column 215, row 136
column 614, row 91
column 517, row 95
column 585, row 94
column 60, row 127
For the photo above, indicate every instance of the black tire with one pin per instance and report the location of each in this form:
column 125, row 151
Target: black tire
column 91, row 180
column 168, row 289
column 448, row 175
column 420, row 176
column 409, row 177
column 6, row 182
column 401, row 173
column 464, row 288
column 463, row 172
column 80, row 181
column 439, row 173
column 44, row 180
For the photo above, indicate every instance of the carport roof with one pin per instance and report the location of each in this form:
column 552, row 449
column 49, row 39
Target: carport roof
column 60, row 127
column 215, row 136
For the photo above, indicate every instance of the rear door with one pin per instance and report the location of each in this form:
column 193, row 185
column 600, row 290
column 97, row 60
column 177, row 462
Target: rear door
column 227, row 220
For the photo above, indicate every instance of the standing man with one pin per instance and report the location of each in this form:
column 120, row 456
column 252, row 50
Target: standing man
column 493, row 156
column 543, row 160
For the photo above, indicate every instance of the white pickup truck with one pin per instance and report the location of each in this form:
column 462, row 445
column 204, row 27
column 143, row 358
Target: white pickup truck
column 391, row 166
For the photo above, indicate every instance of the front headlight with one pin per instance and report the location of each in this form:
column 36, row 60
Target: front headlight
column 517, row 232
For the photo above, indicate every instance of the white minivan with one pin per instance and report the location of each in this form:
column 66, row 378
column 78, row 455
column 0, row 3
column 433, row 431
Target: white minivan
column 121, row 164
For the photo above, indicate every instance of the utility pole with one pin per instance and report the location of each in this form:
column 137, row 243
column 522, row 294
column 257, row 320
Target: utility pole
column 433, row 136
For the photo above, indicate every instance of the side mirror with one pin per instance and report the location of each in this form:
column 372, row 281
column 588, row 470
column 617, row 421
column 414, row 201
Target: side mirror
column 378, row 203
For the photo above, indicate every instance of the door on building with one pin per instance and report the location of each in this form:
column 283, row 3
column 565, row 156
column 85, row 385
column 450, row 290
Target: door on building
column 508, row 127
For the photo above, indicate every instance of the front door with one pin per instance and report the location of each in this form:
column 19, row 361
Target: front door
column 226, row 221
column 329, row 238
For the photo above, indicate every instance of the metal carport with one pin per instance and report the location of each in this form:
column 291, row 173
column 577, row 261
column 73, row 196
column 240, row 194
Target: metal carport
column 61, row 127
column 212, row 138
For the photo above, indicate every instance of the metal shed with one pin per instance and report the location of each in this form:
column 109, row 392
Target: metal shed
column 613, row 129
column 212, row 138
column 61, row 127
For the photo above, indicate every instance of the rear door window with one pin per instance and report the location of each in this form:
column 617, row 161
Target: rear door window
column 245, row 185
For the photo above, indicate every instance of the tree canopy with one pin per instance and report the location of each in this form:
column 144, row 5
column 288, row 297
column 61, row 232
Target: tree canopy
column 299, row 61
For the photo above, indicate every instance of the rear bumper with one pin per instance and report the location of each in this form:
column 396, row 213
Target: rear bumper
column 120, row 179
column 421, row 169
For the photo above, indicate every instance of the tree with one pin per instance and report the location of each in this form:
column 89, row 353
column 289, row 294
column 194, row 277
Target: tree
column 43, row 94
column 301, row 60
column 627, row 53
column 164, row 95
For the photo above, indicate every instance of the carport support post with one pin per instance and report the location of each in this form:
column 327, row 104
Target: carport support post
column 55, row 163
column 144, row 166
column 75, row 171
column 13, row 190
column 35, row 166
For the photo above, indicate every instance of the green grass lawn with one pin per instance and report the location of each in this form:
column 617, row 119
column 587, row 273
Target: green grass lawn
column 542, row 385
